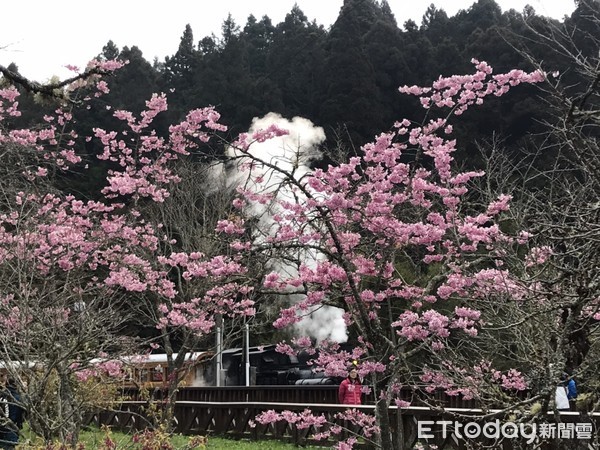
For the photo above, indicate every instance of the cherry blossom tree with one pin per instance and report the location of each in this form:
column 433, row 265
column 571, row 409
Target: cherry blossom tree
column 54, row 309
column 191, row 217
column 402, row 251
column 82, row 266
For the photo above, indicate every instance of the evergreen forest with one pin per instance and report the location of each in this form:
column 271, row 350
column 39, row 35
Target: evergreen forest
column 345, row 78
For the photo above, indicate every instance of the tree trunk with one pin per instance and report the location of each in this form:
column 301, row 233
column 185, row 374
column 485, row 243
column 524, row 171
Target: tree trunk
column 168, row 412
column 169, row 408
column 400, row 437
column 70, row 416
column 382, row 415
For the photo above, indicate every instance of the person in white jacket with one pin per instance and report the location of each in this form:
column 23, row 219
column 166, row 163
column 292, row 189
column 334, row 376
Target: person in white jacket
column 560, row 398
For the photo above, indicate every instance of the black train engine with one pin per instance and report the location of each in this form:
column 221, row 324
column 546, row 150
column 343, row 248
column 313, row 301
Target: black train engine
column 269, row 367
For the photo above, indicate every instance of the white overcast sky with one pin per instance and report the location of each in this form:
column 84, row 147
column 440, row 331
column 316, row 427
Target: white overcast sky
column 41, row 36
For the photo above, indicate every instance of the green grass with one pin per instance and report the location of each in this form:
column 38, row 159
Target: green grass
column 94, row 438
column 215, row 443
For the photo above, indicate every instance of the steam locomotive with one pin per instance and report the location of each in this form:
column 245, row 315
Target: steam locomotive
column 267, row 367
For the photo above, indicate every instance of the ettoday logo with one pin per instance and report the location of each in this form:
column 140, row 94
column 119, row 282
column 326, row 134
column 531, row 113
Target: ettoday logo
column 426, row 429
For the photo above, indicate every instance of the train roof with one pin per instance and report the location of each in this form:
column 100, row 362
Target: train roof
column 154, row 358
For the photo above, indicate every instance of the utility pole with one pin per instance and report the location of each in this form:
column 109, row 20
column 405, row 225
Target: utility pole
column 219, row 361
column 247, row 357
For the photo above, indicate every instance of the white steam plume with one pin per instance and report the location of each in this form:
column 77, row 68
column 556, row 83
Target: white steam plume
column 292, row 153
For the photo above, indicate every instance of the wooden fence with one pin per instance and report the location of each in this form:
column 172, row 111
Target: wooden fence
column 231, row 413
column 327, row 394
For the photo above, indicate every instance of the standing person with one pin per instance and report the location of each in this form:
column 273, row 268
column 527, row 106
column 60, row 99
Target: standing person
column 560, row 398
column 561, row 395
column 571, row 392
column 350, row 389
column 572, row 389
column 11, row 413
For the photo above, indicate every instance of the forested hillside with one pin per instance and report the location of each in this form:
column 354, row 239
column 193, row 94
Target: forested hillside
column 345, row 78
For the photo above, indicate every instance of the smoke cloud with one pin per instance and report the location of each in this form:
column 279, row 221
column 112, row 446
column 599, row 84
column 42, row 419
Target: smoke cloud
column 292, row 153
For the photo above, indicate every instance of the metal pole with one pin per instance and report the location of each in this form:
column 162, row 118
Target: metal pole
column 219, row 362
column 247, row 355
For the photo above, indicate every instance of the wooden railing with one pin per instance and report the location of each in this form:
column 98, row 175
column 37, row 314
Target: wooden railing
column 211, row 411
column 261, row 394
column 323, row 394
column 237, row 420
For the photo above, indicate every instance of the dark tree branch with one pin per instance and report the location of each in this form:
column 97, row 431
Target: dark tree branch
column 49, row 89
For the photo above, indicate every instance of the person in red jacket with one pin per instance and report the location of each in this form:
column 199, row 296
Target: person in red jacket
column 350, row 389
